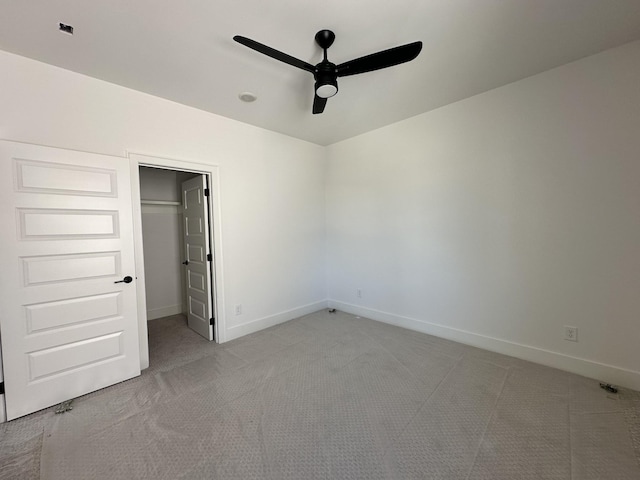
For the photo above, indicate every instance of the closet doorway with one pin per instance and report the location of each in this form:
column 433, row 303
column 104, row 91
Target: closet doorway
column 176, row 173
column 177, row 246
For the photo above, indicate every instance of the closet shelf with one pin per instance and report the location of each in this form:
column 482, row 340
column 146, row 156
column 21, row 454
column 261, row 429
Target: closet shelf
column 160, row 202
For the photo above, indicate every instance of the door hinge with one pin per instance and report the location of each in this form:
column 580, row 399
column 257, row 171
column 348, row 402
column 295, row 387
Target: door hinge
column 206, row 192
column 209, row 257
column 211, row 321
column 2, row 384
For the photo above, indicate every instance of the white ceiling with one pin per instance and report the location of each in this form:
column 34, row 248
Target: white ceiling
column 182, row 50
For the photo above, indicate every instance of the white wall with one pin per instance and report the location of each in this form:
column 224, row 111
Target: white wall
column 499, row 219
column 161, row 231
column 272, row 186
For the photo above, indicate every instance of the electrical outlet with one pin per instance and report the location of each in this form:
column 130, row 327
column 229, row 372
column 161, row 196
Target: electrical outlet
column 571, row 333
column 358, row 293
column 238, row 309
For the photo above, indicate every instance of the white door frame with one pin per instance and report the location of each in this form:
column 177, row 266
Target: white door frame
column 3, row 410
column 212, row 172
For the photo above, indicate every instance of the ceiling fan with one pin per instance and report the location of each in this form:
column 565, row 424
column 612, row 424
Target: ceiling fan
column 326, row 73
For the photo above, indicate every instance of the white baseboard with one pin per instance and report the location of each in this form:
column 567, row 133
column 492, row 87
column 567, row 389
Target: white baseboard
column 581, row 366
column 238, row 331
column 164, row 312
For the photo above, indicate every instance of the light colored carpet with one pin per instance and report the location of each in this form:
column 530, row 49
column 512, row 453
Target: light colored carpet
column 331, row 396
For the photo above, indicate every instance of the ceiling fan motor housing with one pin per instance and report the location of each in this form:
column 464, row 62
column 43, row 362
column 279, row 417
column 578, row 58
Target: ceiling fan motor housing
column 326, row 79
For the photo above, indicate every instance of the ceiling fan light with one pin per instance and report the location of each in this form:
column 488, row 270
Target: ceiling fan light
column 326, row 90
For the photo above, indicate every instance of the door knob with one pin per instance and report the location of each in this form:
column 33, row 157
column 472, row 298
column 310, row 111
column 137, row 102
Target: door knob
column 126, row 279
column 186, row 262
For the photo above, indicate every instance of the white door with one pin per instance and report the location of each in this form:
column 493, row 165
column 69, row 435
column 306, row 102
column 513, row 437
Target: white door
column 68, row 327
column 197, row 246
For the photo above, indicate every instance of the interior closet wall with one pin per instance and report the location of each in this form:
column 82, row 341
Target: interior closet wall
column 162, row 240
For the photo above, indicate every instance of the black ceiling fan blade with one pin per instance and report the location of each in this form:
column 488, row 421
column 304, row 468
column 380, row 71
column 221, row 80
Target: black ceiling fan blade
column 319, row 104
column 273, row 53
column 383, row 59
